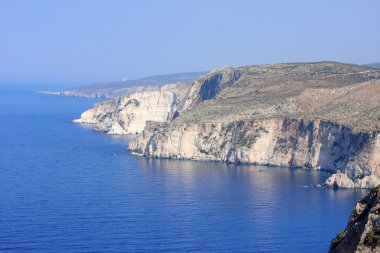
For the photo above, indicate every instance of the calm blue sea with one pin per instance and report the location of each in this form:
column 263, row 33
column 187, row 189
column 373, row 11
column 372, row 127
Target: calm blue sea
column 66, row 188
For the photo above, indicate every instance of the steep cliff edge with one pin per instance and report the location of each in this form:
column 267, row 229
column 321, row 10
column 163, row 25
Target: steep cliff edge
column 281, row 142
column 318, row 115
column 341, row 93
column 207, row 87
column 362, row 233
column 322, row 115
column 128, row 114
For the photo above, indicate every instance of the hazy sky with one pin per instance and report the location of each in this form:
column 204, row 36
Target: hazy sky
column 77, row 42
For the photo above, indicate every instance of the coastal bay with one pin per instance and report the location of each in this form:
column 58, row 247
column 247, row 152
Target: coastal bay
column 66, row 188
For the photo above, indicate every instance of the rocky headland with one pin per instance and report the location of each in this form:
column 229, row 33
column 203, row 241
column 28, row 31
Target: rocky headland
column 322, row 115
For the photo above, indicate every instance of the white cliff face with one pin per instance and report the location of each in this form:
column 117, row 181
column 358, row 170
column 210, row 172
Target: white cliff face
column 128, row 114
column 281, row 142
column 315, row 115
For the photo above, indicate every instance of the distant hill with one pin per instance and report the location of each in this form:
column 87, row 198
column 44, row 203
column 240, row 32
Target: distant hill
column 120, row 88
column 373, row 65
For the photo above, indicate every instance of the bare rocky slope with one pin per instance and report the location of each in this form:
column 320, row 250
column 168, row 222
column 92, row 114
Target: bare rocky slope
column 362, row 233
column 322, row 115
column 129, row 114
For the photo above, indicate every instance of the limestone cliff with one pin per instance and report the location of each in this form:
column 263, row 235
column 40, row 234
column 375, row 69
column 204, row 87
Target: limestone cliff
column 322, row 115
column 281, row 142
column 362, row 233
column 128, row 114
column 207, row 87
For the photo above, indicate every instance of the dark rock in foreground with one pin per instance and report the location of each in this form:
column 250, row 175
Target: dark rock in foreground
column 362, row 233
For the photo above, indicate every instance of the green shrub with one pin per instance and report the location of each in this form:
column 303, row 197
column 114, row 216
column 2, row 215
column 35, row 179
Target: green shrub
column 373, row 238
column 338, row 238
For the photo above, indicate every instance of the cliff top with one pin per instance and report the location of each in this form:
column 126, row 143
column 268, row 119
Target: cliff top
column 342, row 93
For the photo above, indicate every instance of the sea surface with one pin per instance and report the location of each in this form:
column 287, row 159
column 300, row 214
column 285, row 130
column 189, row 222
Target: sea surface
column 67, row 188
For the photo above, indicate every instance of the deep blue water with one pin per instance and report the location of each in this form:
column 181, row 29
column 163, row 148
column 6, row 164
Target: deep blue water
column 66, row 188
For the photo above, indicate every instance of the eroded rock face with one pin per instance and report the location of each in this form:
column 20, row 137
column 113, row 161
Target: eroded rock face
column 321, row 115
column 281, row 142
column 128, row 114
column 362, row 233
column 209, row 86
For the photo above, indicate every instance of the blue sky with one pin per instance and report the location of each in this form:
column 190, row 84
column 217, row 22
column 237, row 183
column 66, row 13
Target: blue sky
column 78, row 42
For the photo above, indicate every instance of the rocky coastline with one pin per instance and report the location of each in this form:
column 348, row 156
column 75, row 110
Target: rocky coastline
column 316, row 115
column 277, row 142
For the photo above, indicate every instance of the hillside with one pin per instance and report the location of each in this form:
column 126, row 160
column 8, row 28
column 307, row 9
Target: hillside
column 323, row 115
column 341, row 93
column 122, row 88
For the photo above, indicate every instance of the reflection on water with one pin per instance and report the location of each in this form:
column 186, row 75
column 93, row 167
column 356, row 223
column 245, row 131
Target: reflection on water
column 65, row 188
column 266, row 207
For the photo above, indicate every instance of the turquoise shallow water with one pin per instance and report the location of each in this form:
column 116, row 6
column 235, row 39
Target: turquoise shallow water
column 66, row 188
